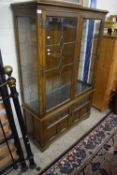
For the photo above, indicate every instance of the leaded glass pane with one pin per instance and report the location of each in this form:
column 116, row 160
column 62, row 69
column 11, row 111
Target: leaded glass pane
column 28, row 61
column 88, row 55
column 60, row 43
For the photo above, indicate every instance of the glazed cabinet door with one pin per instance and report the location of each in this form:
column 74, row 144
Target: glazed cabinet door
column 60, row 40
column 28, row 63
column 88, row 54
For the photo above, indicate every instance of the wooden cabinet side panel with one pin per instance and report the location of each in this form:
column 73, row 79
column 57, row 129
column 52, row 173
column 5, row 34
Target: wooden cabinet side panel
column 103, row 71
column 112, row 79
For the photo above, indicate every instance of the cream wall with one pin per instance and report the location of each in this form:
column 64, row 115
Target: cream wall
column 7, row 41
column 109, row 5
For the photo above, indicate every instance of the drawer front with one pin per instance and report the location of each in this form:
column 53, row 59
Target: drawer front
column 55, row 125
column 81, row 113
column 81, row 102
column 81, row 109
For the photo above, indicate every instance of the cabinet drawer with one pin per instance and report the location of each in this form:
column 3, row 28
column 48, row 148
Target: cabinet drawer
column 55, row 125
column 81, row 111
column 81, row 102
column 85, row 109
column 50, row 133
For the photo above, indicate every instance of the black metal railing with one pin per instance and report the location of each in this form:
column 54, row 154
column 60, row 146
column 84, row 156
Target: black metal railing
column 8, row 155
column 5, row 84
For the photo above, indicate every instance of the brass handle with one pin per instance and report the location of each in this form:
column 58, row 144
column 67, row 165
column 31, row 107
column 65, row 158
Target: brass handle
column 8, row 70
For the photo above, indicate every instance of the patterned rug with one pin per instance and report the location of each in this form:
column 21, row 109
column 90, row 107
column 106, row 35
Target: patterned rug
column 94, row 154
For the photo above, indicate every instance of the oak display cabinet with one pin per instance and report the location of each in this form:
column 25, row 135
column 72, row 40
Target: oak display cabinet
column 57, row 46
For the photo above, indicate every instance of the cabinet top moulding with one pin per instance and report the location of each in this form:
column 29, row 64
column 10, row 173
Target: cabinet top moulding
column 57, row 4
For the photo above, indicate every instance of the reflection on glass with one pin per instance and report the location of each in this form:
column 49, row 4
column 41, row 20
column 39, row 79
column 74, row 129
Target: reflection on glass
column 60, row 43
column 87, row 54
column 28, row 47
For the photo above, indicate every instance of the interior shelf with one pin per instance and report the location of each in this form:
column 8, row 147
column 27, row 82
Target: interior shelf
column 61, row 95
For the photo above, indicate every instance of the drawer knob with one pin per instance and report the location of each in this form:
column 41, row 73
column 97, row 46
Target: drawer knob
column 48, row 37
column 114, row 90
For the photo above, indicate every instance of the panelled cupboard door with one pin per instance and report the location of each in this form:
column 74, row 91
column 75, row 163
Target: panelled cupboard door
column 60, row 41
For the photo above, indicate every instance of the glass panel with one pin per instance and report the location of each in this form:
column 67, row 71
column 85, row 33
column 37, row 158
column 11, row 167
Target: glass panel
column 89, row 42
column 60, row 43
column 28, row 60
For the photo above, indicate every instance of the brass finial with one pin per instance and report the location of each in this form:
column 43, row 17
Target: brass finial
column 8, row 70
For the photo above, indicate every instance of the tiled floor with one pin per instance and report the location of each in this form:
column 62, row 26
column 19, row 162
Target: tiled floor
column 65, row 141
